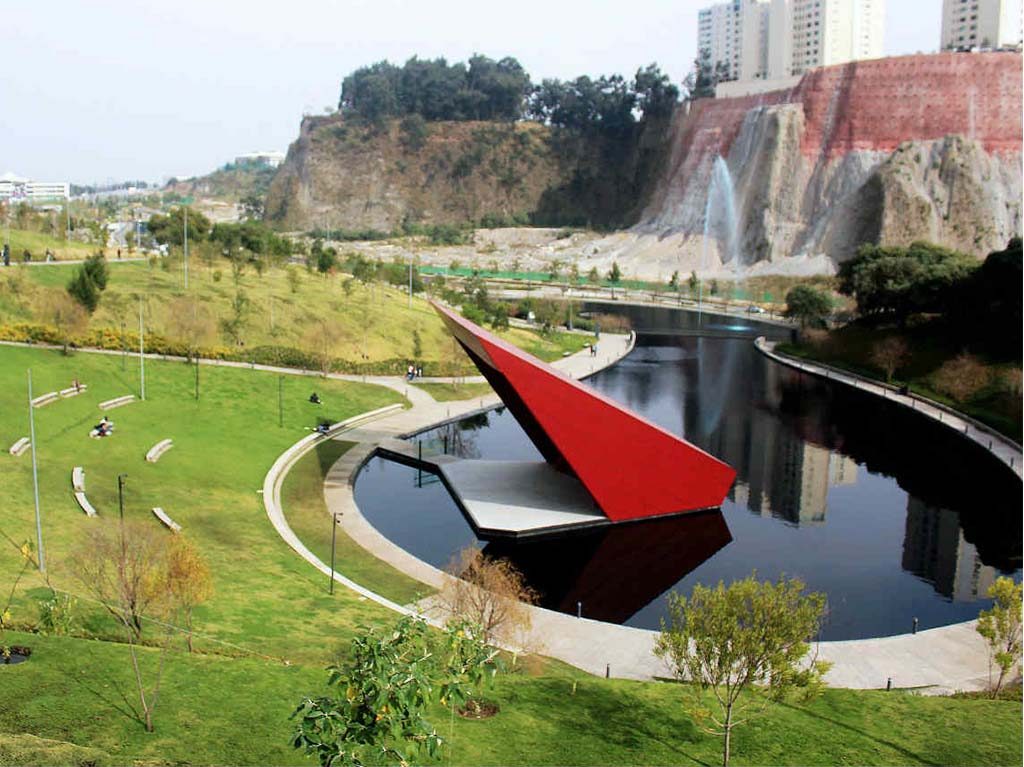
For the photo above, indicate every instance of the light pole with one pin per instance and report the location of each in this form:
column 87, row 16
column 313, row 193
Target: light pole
column 35, row 475
column 334, row 536
column 142, row 355
column 185, row 259
column 410, row 282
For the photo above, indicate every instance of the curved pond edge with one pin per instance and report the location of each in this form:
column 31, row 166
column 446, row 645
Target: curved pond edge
column 999, row 445
column 938, row 660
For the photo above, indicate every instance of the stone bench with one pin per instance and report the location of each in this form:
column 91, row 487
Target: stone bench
column 159, row 449
column 84, row 503
column 20, row 446
column 160, row 514
column 45, row 399
column 72, row 391
column 110, row 404
column 78, row 479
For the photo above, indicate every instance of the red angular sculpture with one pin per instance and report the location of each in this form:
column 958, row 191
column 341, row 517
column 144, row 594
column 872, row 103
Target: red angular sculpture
column 632, row 468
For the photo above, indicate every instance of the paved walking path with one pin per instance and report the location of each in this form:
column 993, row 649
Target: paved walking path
column 936, row 660
column 1003, row 448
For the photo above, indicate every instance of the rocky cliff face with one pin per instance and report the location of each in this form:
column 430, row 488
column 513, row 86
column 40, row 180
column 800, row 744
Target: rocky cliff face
column 893, row 150
column 351, row 176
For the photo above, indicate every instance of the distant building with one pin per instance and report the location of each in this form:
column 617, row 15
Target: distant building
column 269, row 159
column 968, row 24
column 19, row 189
column 758, row 45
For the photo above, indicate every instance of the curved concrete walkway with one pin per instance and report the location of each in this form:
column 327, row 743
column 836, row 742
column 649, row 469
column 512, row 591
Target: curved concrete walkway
column 1003, row 448
column 938, row 660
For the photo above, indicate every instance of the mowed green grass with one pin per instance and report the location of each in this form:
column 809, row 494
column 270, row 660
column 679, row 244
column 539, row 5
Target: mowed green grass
column 302, row 497
column 369, row 324
column 266, row 599
column 216, row 710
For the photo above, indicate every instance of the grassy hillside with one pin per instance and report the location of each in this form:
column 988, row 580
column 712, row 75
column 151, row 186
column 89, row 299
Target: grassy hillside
column 38, row 243
column 369, row 327
column 229, row 183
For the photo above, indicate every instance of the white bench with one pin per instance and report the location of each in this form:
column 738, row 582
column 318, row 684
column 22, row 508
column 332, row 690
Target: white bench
column 110, row 404
column 159, row 449
column 160, row 514
column 78, row 479
column 84, row 503
column 45, row 399
column 20, row 446
column 73, row 391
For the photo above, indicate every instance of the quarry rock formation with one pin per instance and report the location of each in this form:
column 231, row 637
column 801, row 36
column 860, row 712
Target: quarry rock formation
column 893, row 150
column 342, row 175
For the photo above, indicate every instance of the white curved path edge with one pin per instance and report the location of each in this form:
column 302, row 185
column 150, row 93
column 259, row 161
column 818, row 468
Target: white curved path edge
column 941, row 659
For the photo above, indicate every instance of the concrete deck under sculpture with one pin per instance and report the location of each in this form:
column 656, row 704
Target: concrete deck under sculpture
column 947, row 658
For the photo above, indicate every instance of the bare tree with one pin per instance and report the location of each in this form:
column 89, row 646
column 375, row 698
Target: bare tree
column 66, row 315
column 192, row 322
column 961, row 377
column 486, row 592
column 125, row 568
column 890, row 354
column 321, row 338
column 189, row 580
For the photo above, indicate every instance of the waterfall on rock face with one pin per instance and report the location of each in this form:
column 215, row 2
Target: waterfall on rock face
column 720, row 222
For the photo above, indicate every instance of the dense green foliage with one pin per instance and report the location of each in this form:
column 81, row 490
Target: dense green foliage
column 988, row 305
column 170, row 229
column 482, row 90
column 89, row 281
column 892, row 282
column 1001, row 627
column 808, row 305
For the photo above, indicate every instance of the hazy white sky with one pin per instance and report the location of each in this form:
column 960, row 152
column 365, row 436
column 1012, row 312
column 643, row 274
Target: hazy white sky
column 115, row 89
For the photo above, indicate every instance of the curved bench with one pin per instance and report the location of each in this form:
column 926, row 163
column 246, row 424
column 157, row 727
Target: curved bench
column 171, row 525
column 159, row 449
column 110, row 404
column 45, row 399
column 84, row 503
column 20, row 446
column 78, row 479
column 73, row 391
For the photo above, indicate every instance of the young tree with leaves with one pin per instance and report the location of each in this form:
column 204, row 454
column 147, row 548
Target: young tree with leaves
column 750, row 637
column 1001, row 627
column 890, row 354
column 189, row 580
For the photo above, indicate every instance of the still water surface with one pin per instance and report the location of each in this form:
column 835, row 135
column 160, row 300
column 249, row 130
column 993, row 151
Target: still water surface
column 891, row 516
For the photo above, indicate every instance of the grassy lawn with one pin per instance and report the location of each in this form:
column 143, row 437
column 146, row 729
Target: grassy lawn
column 37, row 244
column 452, row 392
column 302, row 496
column 850, row 348
column 373, row 323
column 216, row 710
column 266, row 597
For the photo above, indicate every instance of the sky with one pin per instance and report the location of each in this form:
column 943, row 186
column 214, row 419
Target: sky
column 103, row 90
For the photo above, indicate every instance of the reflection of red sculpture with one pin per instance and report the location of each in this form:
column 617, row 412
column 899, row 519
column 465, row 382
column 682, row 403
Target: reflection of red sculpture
column 632, row 468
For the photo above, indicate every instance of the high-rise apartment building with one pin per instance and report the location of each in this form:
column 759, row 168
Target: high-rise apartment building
column 777, row 39
column 970, row 24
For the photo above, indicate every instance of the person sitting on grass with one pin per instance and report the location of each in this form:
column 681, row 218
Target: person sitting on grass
column 103, row 428
column 315, row 398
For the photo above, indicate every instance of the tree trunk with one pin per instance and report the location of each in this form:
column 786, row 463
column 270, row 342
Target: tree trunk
column 728, row 735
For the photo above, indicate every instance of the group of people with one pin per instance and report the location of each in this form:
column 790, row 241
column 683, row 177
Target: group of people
column 414, row 371
column 103, row 429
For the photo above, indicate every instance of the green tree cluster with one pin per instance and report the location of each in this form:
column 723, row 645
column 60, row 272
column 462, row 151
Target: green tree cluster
column 808, row 304
column 170, row 229
column 891, row 282
column 482, row 89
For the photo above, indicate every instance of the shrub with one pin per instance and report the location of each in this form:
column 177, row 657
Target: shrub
column 961, row 377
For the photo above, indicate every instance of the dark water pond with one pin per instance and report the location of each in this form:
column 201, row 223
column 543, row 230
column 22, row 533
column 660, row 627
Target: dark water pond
column 892, row 516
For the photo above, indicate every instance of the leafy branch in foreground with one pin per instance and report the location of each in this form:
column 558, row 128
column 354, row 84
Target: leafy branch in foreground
column 376, row 711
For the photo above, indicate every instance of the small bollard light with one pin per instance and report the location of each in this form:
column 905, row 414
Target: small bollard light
column 607, row 670
column 579, row 609
column 888, row 684
column 914, row 631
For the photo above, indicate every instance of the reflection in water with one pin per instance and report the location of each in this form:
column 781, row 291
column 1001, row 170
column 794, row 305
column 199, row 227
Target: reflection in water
column 587, row 569
column 892, row 516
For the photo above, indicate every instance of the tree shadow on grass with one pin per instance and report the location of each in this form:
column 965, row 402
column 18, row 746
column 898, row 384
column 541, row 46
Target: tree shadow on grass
column 863, row 733
column 623, row 719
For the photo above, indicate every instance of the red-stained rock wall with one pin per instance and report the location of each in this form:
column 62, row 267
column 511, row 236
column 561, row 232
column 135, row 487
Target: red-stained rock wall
column 879, row 104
